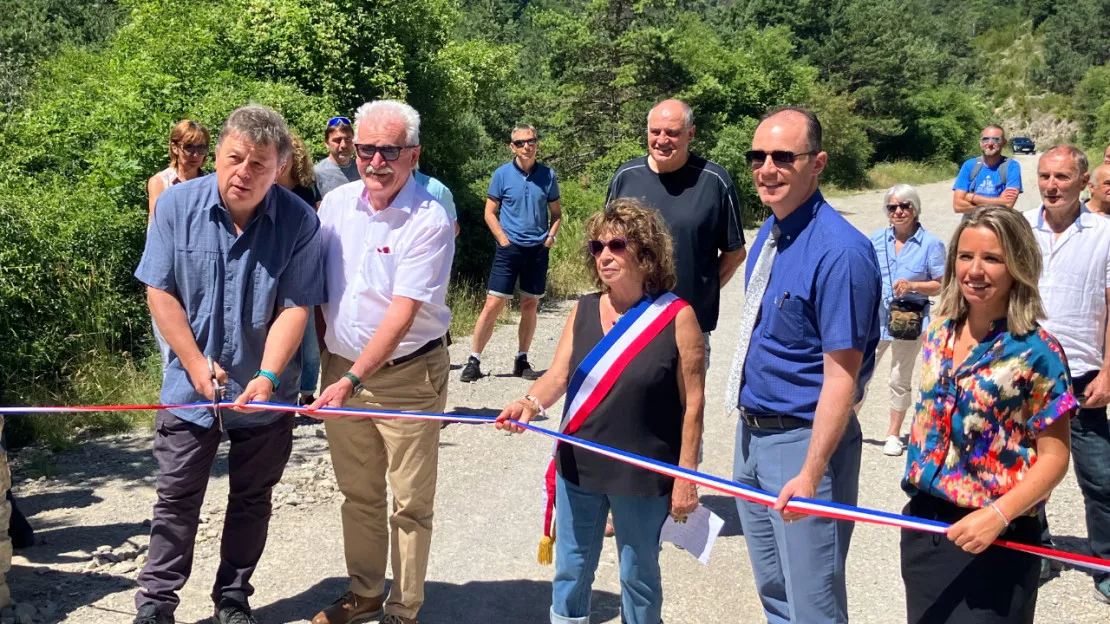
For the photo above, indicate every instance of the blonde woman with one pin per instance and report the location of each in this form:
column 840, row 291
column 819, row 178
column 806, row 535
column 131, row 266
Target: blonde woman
column 299, row 175
column 991, row 438
column 188, row 150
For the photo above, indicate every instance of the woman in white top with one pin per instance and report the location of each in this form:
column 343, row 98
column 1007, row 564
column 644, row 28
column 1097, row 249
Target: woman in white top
column 188, row 151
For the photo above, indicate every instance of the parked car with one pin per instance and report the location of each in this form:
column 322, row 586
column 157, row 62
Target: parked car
column 1023, row 145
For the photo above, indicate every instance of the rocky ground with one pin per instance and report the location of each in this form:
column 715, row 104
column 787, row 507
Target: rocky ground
column 92, row 511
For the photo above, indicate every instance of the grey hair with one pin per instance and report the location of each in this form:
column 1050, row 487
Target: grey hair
column 1080, row 157
column 524, row 127
column 392, row 109
column 907, row 193
column 687, row 112
column 261, row 125
column 813, row 125
column 1098, row 174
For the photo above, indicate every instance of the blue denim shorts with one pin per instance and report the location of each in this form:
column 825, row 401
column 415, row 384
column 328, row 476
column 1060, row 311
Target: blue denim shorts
column 529, row 264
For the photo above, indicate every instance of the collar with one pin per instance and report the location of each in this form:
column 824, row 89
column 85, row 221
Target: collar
column 916, row 237
column 797, row 221
column 268, row 205
column 1082, row 222
column 535, row 166
column 402, row 201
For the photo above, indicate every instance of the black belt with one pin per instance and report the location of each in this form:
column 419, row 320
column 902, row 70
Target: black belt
column 427, row 348
column 773, row 421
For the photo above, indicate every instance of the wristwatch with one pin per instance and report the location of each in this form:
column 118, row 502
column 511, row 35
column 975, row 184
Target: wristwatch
column 353, row 378
column 551, row 236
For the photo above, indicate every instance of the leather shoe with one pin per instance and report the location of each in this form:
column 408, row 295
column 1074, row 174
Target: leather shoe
column 349, row 609
column 396, row 619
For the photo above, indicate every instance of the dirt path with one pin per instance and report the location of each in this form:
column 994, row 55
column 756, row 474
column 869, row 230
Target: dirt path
column 483, row 567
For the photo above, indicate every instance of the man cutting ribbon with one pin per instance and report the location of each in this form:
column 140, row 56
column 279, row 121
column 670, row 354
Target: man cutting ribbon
column 632, row 363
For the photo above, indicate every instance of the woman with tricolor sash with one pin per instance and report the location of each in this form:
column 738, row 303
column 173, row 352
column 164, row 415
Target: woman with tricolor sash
column 990, row 438
column 631, row 363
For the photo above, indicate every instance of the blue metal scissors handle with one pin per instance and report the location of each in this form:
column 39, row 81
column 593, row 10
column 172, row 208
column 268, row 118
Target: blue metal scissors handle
column 217, row 394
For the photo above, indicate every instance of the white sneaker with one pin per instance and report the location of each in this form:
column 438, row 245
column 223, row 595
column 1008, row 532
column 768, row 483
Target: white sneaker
column 893, row 446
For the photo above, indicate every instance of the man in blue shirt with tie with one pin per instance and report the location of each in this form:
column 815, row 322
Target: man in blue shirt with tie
column 806, row 350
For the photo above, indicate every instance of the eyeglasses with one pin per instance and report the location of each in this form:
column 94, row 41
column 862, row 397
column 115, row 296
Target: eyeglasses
column 990, row 139
column 388, row 152
column 194, row 150
column 615, row 245
column 522, row 142
column 892, row 208
column 781, row 158
column 336, row 121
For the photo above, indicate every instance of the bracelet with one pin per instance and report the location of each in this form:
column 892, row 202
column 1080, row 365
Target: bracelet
column 1000, row 514
column 355, row 382
column 268, row 375
column 539, row 406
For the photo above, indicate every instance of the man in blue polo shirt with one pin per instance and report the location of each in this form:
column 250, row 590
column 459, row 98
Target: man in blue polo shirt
column 988, row 179
column 232, row 265
column 526, row 194
column 806, row 350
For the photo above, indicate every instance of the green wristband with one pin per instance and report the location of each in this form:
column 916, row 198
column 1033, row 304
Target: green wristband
column 355, row 383
column 268, row 375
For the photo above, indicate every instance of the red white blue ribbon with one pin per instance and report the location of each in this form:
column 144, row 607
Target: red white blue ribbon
column 802, row 505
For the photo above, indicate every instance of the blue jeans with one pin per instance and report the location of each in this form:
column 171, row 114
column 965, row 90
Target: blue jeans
column 798, row 567
column 579, row 535
column 1090, row 452
column 310, row 355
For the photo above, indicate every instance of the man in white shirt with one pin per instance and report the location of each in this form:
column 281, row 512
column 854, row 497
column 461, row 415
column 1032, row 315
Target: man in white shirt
column 1075, row 289
column 388, row 246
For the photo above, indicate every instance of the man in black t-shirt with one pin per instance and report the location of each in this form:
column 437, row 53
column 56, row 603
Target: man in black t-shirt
column 698, row 201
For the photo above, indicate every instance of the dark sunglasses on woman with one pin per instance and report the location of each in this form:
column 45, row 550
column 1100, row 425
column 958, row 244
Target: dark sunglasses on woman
column 891, row 208
column 615, row 245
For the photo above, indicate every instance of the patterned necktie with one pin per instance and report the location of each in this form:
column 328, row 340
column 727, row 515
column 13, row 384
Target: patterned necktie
column 753, row 298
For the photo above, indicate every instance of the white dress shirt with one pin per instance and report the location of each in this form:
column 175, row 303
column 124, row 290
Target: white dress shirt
column 1074, row 279
column 370, row 255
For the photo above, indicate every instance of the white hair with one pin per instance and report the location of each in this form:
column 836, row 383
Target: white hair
column 905, row 192
column 392, row 109
column 687, row 113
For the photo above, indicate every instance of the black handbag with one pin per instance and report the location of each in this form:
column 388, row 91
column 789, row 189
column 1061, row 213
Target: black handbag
column 906, row 318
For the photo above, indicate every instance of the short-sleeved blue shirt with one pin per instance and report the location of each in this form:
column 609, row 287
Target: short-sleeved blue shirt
column 988, row 182
column 438, row 190
column 231, row 286
column 524, row 198
column 823, row 296
column 921, row 260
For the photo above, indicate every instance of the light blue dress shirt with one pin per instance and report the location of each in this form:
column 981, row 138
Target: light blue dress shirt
column 921, row 260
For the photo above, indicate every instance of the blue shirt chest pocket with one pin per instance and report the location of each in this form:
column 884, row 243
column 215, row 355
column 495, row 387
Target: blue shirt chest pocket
column 262, row 293
column 789, row 321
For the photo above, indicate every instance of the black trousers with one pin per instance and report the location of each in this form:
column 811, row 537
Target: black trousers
column 946, row 584
column 185, row 453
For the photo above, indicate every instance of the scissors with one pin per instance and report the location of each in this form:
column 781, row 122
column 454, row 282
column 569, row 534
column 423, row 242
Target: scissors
column 217, row 394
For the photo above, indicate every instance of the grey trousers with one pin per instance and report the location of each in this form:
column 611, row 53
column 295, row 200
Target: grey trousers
column 185, row 453
column 798, row 567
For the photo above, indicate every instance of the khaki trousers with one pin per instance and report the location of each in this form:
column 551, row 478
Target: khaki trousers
column 366, row 452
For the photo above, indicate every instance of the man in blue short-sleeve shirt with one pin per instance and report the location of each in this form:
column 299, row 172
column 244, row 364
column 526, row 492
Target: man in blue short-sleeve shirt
column 997, row 178
column 523, row 214
column 232, row 264
column 808, row 357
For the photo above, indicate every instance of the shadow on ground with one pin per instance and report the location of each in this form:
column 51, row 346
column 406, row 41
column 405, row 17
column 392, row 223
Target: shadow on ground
column 725, row 507
column 485, row 602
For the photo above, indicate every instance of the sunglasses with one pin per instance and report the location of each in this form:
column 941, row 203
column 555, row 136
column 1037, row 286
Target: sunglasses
column 781, row 158
column 337, row 121
column 194, row 150
column 389, row 152
column 990, row 139
column 892, row 208
column 523, row 142
column 615, row 245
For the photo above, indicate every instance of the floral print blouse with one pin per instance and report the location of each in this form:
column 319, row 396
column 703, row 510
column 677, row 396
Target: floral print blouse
column 974, row 431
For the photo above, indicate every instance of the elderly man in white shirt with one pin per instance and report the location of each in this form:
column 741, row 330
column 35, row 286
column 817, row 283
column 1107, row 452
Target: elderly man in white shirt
column 1075, row 289
column 388, row 246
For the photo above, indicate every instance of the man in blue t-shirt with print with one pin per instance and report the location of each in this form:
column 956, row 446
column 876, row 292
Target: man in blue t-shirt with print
column 523, row 214
column 990, row 179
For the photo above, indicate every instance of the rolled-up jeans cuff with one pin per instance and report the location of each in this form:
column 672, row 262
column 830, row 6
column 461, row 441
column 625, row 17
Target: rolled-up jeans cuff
column 559, row 619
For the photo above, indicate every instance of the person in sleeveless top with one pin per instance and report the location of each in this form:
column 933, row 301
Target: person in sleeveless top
column 654, row 409
column 188, row 150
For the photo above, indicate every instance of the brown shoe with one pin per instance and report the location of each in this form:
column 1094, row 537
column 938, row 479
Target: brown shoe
column 396, row 619
column 349, row 609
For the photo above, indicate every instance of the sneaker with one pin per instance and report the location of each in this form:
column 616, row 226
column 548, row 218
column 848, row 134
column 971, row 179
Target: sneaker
column 149, row 614
column 472, row 371
column 1102, row 590
column 521, row 368
column 232, row 611
column 351, row 608
column 893, row 446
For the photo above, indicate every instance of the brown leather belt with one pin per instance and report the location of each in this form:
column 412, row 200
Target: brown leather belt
column 427, row 348
column 773, row 421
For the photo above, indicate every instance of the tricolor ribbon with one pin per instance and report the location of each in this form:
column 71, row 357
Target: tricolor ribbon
column 801, row 505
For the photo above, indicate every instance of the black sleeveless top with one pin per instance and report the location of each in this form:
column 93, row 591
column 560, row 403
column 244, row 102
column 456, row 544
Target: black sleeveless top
column 641, row 414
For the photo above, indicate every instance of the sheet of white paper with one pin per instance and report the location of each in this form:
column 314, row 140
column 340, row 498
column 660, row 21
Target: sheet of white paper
column 696, row 535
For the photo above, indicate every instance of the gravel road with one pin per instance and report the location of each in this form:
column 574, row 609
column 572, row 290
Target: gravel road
column 90, row 513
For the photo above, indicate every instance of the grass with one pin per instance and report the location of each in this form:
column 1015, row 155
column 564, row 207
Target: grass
column 886, row 174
